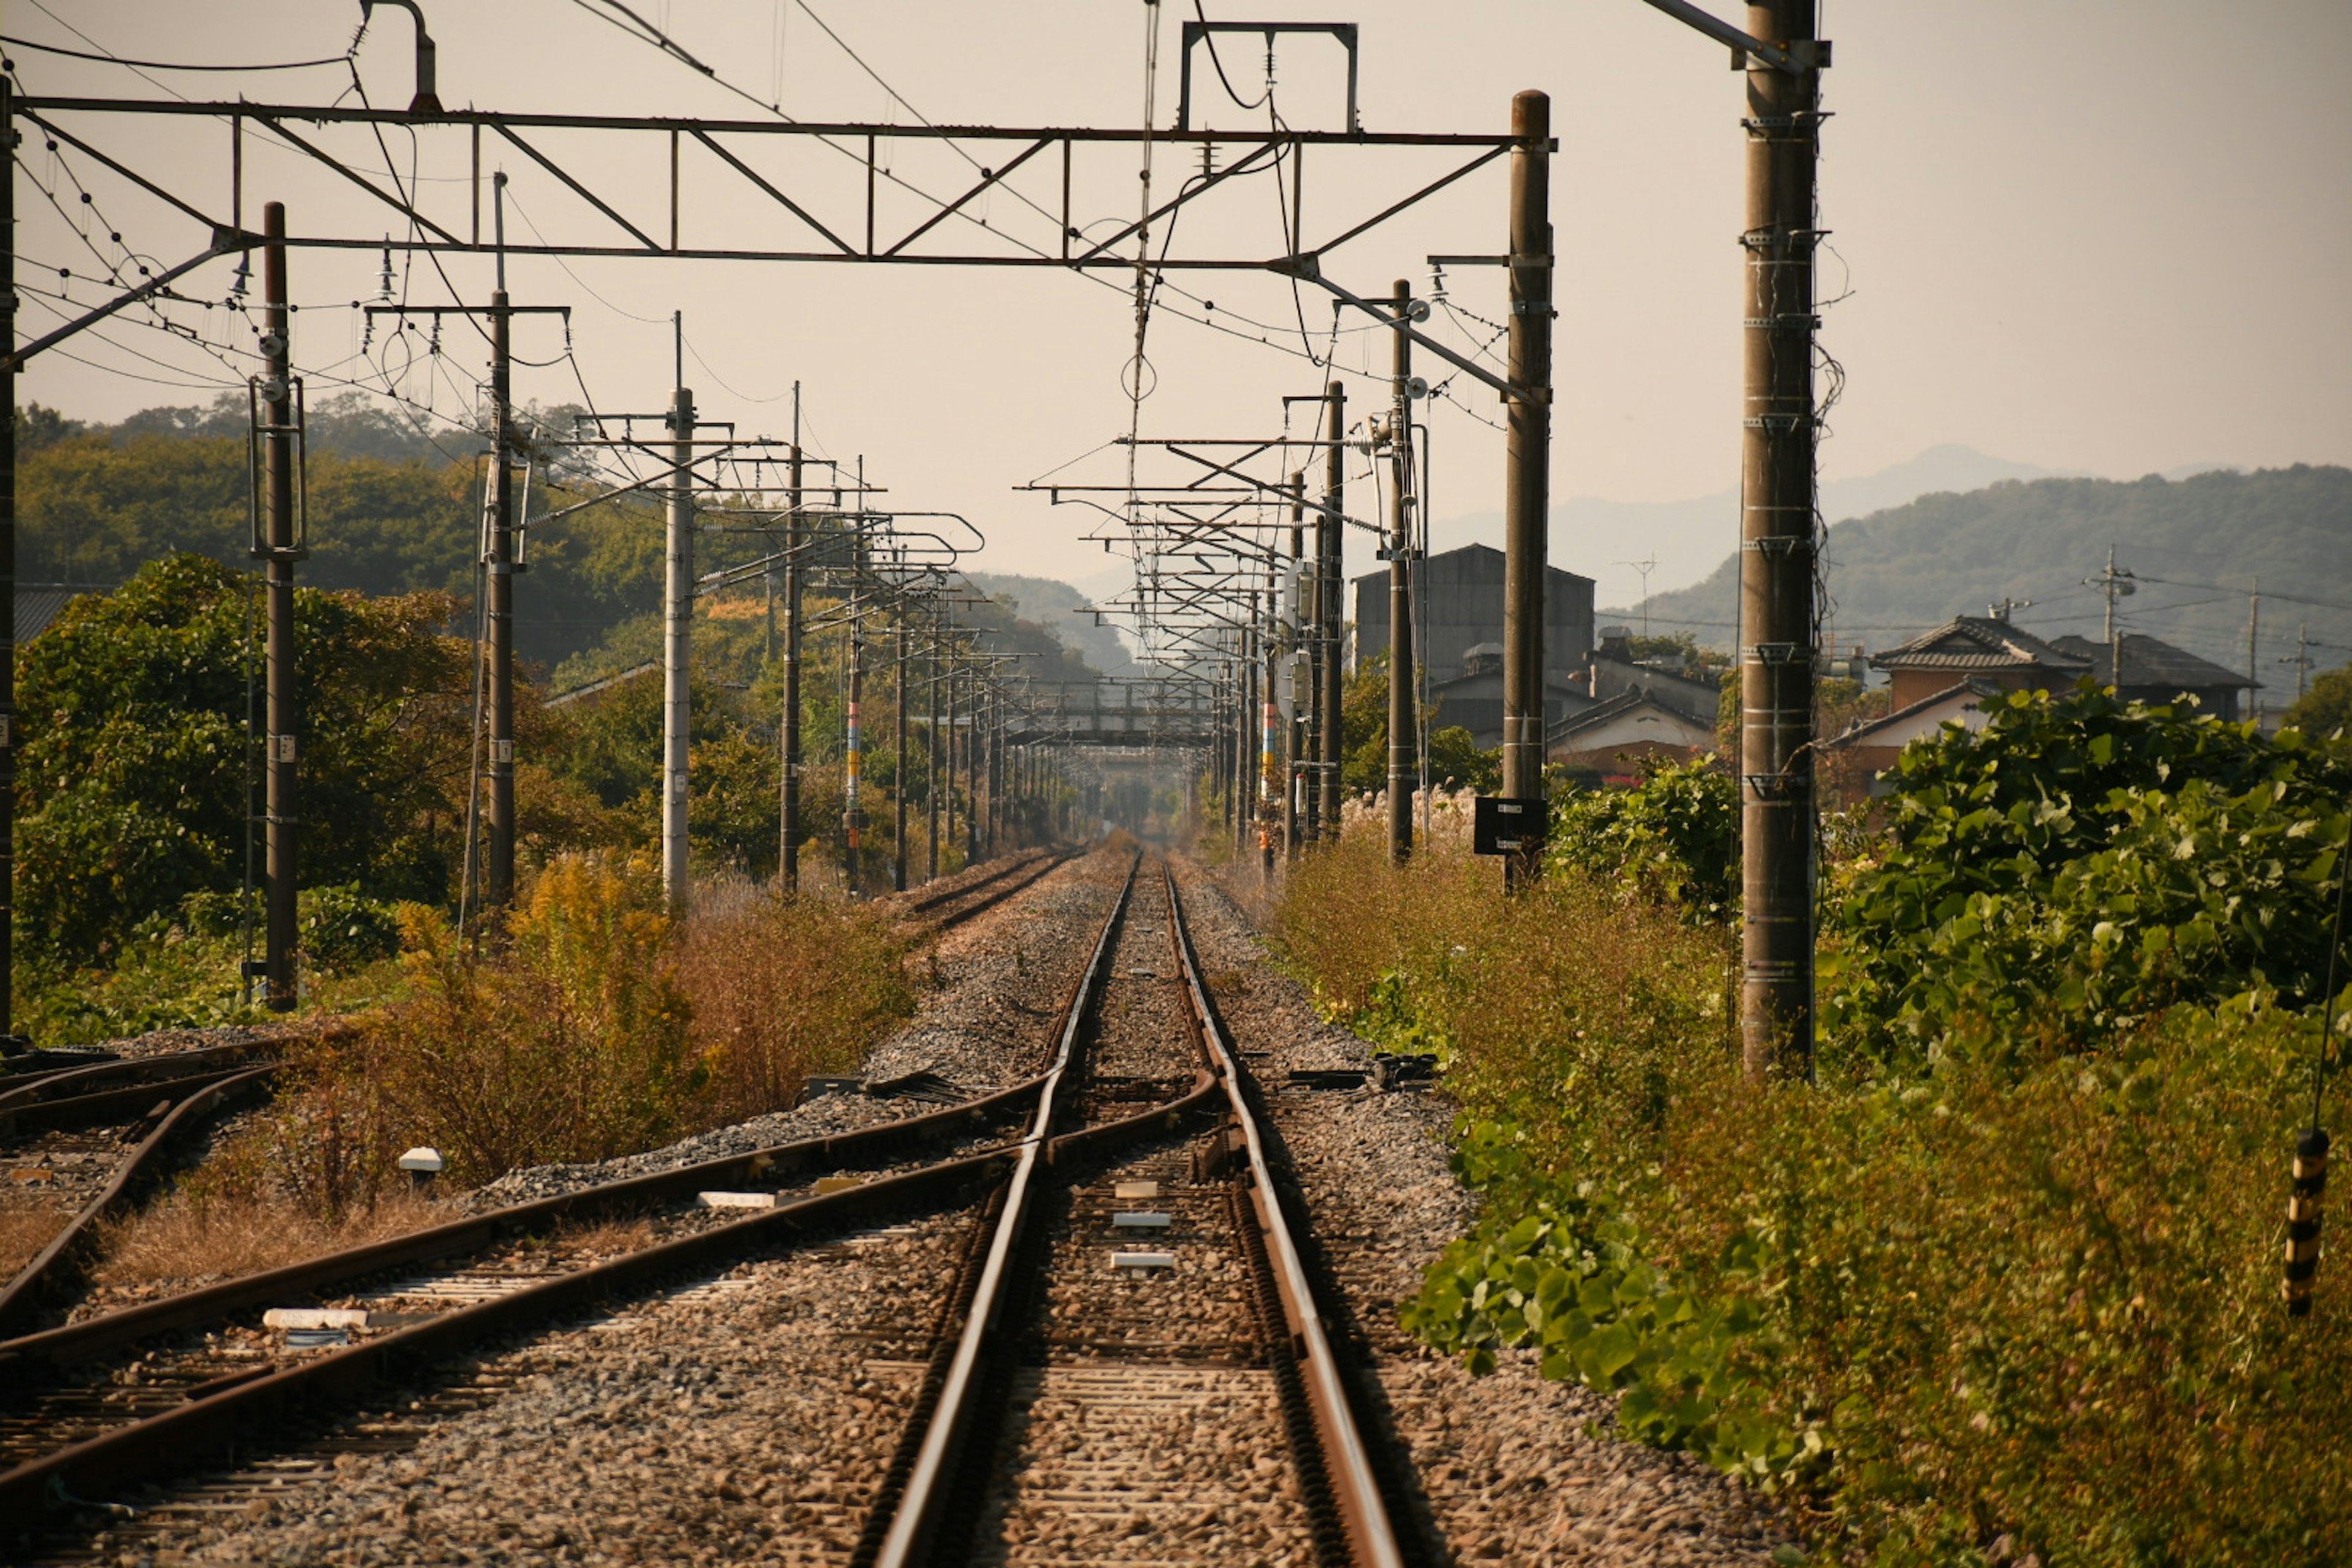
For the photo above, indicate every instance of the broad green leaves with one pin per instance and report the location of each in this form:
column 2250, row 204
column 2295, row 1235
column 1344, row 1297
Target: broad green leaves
column 2084, row 862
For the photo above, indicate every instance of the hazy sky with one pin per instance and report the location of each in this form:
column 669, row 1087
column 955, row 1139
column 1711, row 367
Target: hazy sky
column 2094, row 236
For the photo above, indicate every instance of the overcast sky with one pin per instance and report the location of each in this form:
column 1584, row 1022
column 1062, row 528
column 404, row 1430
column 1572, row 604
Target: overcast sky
column 2094, row 236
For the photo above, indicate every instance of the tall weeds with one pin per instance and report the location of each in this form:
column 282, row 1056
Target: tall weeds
column 1972, row 1316
column 594, row 1026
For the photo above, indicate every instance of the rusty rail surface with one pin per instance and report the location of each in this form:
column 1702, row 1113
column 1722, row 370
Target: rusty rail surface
column 57, row 1268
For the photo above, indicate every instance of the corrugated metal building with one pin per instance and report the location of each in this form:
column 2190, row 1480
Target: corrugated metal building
column 1462, row 607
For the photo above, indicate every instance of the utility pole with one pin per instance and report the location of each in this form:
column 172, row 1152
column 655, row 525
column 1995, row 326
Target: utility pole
column 2114, row 584
column 853, row 813
column 1778, row 552
column 8, row 582
column 279, row 548
column 1269, row 776
column 1331, row 615
column 498, row 569
column 677, row 638
column 1297, row 801
column 1526, row 484
column 932, row 763
column 796, row 572
column 2303, row 661
column 898, row 765
column 2253, row 654
column 1402, row 753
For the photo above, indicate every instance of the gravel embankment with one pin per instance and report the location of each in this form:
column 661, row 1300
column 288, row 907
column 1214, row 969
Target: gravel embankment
column 1513, row 1469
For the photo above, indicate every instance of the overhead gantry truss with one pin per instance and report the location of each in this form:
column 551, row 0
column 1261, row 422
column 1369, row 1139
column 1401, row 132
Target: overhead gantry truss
column 737, row 167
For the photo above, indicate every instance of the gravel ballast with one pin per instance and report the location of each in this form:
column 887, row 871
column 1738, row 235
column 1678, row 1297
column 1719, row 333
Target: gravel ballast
column 1512, row 1469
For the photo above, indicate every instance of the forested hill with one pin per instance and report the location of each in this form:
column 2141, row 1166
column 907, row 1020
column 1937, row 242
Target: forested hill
column 2197, row 546
column 389, row 513
column 1055, row 605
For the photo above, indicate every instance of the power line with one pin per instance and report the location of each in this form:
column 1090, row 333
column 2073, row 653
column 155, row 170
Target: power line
column 166, row 64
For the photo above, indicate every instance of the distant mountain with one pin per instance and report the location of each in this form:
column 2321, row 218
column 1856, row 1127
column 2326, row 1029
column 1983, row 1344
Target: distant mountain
column 2196, row 546
column 1600, row 539
column 1060, row 608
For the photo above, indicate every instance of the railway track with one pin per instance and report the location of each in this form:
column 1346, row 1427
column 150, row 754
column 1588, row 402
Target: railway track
column 90, row 1142
column 1046, row 1392
column 950, row 907
column 98, row 1135
column 1135, row 1368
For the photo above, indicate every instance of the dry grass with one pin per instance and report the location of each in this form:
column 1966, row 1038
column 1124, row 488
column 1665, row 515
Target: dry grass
column 781, row 988
column 201, row 1235
column 23, row 1233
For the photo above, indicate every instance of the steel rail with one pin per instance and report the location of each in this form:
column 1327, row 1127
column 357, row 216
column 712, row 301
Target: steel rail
column 155, row 1070
column 51, row 1270
column 209, row 1429
column 94, row 1337
column 927, row 900
column 922, row 1504
column 1347, row 1457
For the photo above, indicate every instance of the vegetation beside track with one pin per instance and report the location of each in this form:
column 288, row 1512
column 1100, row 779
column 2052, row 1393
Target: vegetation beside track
column 2004, row 1284
column 596, row 1026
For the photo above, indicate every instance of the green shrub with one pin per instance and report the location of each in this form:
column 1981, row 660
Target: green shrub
column 1673, row 837
column 2078, row 864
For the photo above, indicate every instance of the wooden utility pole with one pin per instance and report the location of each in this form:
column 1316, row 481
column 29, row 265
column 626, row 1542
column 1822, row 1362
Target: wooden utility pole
column 1330, row 549
column 1526, row 485
column 280, row 550
column 1404, row 754
column 677, row 651
column 1776, row 559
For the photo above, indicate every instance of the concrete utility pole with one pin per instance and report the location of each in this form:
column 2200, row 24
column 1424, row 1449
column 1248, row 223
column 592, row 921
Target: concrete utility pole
column 1298, row 800
column 1778, row 829
column 795, row 574
column 8, row 581
column 931, row 684
column 497, row 568
column 1331, row 613
column 278, row 551
column 898, row 764
column 2303, row 661
column 1269, row 773
column 853, row 812
column 677, row 649
column 2255, row 655
column 2114, row 584
column 1526, row 484
column 1402, row 753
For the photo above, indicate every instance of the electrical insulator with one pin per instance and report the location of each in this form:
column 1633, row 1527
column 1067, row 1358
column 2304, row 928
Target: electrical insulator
column 2303, row 1215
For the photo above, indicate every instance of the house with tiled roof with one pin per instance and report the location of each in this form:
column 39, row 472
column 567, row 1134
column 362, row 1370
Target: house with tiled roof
column 1945, row 676
column 1853, row 764
column 1979, row 647
column 1640, row 722
column 2156, row 671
